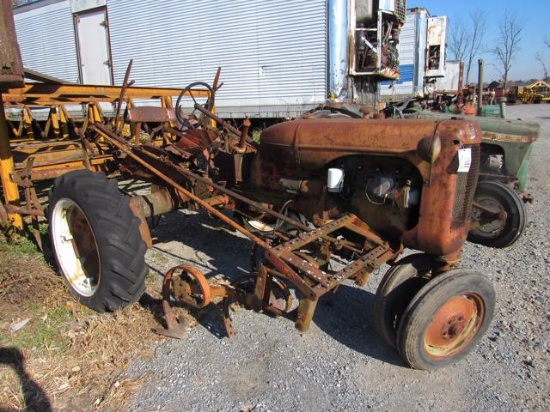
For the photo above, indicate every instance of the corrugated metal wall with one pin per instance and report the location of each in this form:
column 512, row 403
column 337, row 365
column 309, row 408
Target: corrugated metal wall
column 273, row 53
column 46, row 39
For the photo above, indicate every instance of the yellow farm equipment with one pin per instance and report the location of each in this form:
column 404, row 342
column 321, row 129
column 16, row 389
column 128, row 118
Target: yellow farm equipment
column 44, row 129
column 536, row 92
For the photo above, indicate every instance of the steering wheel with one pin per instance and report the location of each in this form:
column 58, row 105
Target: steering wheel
column 188, row 101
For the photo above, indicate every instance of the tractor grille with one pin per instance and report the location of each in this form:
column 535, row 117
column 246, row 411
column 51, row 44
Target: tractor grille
column 465, row 190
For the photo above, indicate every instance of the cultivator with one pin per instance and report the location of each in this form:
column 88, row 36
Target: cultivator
column 295, row 259
column 299, row 261
column 48, row 124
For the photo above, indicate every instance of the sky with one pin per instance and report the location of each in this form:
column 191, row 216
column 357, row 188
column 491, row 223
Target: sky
column 532, row 14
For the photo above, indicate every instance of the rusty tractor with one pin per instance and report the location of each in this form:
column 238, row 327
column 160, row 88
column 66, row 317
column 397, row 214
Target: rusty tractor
column 499, row 213
column 323, row 200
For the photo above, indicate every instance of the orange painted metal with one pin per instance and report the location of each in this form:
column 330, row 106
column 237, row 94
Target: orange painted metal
column 453, row 325
column 45, row 94
column 309, row 146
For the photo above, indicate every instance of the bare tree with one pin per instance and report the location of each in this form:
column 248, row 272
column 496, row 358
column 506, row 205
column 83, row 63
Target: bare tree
column 459, row 37
column 508, row 43
column 540, row 58
column 478, row 20
column 547, row 42
column 466, row 38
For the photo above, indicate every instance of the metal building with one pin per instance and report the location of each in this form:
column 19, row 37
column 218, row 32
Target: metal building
column 278, row 58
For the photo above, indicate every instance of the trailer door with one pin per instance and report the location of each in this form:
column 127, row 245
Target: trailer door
column 94, row 52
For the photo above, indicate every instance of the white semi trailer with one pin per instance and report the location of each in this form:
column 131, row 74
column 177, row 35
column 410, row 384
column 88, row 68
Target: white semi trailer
column 278, row 58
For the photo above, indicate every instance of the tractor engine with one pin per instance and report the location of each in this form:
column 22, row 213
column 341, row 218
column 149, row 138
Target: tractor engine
column 411, row 181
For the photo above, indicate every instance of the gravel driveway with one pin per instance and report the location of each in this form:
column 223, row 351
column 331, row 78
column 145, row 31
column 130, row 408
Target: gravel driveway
column 341, row 364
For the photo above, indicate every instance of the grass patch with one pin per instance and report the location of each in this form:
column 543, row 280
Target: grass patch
column 21, row 247
column 45, row 331
column 66, row 357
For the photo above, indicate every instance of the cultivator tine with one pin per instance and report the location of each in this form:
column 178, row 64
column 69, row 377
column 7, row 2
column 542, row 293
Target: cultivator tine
column 217, row 85
column 228, row 323
column 175, row 326
column 125, row 84
column 175, row 329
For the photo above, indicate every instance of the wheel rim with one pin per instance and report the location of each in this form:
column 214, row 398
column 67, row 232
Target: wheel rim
column 454, row 325
column 489, row 228
column 75, row 247
column 190, row 286
column 260, row 226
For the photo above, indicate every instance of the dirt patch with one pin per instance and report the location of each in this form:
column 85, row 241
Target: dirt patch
column 56, row 354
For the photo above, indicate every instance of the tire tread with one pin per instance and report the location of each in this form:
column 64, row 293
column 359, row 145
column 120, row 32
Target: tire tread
column 116, row 229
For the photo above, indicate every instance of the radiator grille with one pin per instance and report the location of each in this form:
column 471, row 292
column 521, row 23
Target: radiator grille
column 465, row 190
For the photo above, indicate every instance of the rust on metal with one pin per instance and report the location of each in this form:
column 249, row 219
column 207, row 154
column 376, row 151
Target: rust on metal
column 402, row 184
column 125, row 84
column 151, row 114
column 190, row 286
column 158, row 202
column 3, row 216
column 453, row 325
column 528, row 137
column 175, row 327
column 11, row 65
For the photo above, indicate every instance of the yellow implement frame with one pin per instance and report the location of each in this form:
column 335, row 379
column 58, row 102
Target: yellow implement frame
column 38, row 157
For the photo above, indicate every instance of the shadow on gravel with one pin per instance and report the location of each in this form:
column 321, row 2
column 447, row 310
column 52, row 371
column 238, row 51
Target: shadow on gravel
column 214, row 244
column 346, row 316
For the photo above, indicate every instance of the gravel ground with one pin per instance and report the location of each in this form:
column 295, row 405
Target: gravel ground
column 341, row 363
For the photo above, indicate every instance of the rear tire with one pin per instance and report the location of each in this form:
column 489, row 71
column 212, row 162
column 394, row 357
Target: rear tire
column 495, row 232
column 96, row 241
column 446, row 319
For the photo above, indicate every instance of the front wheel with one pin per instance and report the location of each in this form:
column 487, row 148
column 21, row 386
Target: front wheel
column 399, row 285
column 96, row 241
column 446, row 319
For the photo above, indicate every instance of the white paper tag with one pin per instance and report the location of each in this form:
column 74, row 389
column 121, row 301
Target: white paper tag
column 464, row 160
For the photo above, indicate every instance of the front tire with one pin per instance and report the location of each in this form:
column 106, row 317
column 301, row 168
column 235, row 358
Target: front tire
column 399, row 285
column 446, row 319
column 96, row 241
